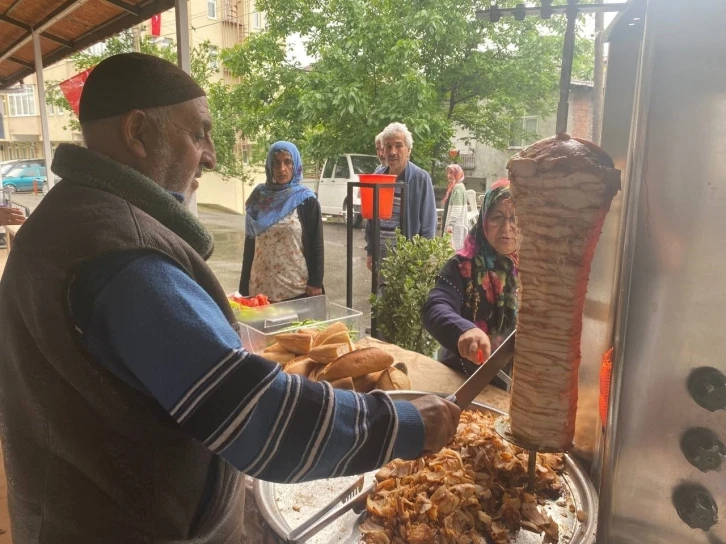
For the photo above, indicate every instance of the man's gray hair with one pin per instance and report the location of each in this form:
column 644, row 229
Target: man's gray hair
column 161, row 117
column 398, row 128
column 379, row 139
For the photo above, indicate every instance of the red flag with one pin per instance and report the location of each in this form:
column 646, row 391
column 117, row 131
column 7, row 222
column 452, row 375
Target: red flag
column 73, row 87
column 156, row 25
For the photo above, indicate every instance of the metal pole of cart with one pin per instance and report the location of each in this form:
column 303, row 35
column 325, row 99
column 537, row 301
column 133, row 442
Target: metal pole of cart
column 568, row 54
column 349, row 254
column 375, row 233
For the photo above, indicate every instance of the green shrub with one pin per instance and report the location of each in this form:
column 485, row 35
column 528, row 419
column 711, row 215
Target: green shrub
column 409, row 273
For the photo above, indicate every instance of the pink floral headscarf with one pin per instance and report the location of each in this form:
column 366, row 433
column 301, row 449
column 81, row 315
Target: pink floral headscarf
column 458, row 172
column 491, row 279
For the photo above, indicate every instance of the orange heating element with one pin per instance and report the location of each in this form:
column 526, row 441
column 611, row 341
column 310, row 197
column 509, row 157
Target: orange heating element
column 606, row 371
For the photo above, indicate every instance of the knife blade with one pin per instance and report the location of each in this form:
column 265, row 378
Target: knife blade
column 469, row 390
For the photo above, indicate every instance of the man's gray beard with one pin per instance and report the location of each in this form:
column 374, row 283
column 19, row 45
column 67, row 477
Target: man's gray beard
column 166, row 173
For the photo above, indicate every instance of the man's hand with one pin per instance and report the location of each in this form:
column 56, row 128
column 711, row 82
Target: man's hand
column 369, row 262
column 11, row 216
column 440, row 419
column 471, row 342
column 313, row 291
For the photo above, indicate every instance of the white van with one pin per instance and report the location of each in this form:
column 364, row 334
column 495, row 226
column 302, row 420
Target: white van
column 332, row 188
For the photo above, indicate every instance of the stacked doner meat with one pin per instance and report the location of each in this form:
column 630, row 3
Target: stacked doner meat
column 473, row 492
column 562, row 189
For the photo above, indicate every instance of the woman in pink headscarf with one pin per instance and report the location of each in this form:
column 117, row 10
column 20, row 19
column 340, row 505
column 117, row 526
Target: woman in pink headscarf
column 455, row 221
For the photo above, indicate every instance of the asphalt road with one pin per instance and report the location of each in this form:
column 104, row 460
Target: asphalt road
column 226, row 262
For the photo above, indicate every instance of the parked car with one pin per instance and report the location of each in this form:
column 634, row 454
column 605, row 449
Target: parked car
column 23, row 175
column 332, row 187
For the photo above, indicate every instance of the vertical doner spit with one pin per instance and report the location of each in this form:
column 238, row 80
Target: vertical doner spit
column 562, row 189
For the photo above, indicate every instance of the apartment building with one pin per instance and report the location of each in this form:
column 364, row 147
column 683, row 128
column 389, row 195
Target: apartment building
column 223, row 23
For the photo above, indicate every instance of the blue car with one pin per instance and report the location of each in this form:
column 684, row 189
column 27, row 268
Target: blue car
column 23, row 175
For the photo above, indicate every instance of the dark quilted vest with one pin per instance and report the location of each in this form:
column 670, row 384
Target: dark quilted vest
column 88, row 458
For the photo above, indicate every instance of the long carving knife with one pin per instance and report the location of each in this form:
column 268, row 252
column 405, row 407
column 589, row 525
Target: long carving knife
column 485, row 373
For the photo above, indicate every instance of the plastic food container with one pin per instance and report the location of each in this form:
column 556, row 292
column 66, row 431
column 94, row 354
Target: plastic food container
column 385, row 196
column 259, row 326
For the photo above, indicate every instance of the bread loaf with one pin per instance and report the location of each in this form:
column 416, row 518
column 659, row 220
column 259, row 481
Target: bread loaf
column 393, row 379
column 297, row 343
column 330, row 331
column 303, row 368
column 329, row 352
column 341, row 337
column 357, row 363
column 367, row 383
column 562, row 189
column 317, row 370
column 343, row 383
column 278, row 357
column 309, row 332
column 275, row 348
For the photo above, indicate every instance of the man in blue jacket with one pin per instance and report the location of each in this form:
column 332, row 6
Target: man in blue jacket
column 420, row 201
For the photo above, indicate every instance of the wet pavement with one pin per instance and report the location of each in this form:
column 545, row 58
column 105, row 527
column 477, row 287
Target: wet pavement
column 226, row 262
column 228, row 230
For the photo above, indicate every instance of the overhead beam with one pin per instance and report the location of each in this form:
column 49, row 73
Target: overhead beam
column 56, row 15
column 52, row 37
column 134, row 10
column 546, row 10
column 96, row 34
column 13, row 6
column 21, row 62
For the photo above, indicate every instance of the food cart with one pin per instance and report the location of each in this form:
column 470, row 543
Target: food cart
column 655, row 294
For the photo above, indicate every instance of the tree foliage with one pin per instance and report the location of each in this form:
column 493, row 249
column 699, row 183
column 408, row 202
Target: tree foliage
column 204, row 66
column 428, row 63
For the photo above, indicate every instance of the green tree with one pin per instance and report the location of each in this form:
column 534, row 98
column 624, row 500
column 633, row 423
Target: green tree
column 204, row 65
column 428, row 63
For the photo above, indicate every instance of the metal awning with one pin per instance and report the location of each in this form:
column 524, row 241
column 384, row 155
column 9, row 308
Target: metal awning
column 63, row 27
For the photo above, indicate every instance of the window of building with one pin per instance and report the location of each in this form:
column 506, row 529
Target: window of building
column 50, row 108
column 22, row 102
column 523, row 132
column 212, row 9
column 256, row 20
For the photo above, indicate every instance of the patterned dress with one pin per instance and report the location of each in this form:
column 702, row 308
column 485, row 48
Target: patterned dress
column 279, row 269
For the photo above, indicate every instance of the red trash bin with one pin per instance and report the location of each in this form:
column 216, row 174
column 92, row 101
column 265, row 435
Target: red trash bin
column 385, row 196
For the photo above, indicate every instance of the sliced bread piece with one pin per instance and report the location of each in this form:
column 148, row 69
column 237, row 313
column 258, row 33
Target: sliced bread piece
column 328, row 353
column 330, row 331
column 357, row 363
column 295, row 342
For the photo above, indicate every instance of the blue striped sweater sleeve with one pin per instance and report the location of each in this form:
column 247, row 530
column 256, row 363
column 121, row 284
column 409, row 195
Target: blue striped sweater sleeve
column 146, row 320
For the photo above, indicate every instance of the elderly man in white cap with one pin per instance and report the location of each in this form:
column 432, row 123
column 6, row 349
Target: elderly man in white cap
column 129, row 408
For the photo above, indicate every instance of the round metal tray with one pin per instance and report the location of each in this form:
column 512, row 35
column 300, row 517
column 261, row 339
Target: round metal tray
column 285, row 506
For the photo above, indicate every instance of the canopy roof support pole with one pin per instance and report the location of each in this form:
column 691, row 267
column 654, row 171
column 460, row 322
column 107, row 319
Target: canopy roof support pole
column 181, row 10
column 43, row 108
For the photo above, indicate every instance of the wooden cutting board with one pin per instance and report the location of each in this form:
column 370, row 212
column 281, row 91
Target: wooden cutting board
column 426, row 374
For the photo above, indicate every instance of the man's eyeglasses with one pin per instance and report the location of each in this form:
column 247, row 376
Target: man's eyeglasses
column 498, row 219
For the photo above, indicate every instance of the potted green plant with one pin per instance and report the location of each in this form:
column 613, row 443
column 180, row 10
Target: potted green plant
column 409, row 273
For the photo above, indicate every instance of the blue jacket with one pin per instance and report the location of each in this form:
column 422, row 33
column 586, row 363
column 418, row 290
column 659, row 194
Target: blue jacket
column 420, row 204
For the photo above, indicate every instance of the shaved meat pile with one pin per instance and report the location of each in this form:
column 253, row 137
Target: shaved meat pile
column 472, row 492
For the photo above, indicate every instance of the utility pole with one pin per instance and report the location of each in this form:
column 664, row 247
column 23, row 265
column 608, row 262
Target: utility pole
column 136, row 33
column 598, row 79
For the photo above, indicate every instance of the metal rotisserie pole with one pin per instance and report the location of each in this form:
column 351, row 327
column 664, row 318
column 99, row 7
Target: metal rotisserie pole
column 568, row 55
